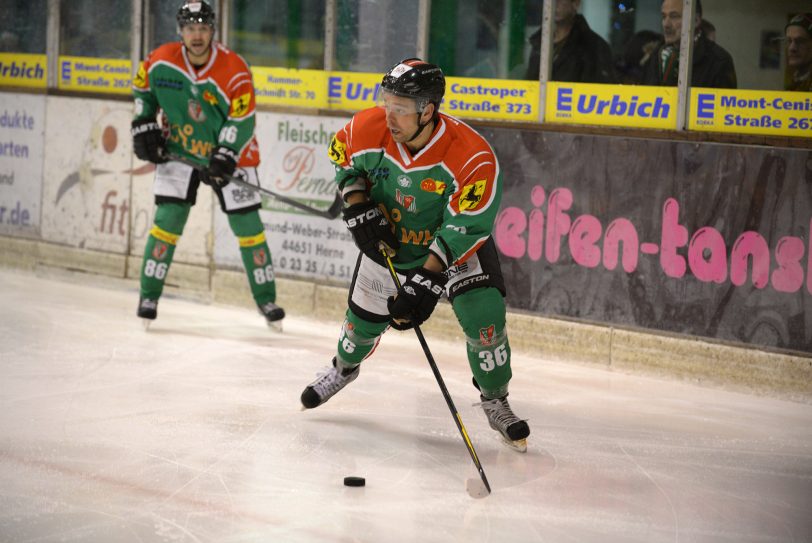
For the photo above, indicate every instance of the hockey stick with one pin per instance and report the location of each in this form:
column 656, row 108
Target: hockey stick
column 474, row 492
column 331, row 213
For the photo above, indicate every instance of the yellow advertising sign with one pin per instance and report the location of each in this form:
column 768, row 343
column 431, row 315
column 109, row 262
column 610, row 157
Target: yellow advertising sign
column 611, row 105
column 352, row 91
column 501, row 99
column 23, row 70
column 751, row 112
column 94, row 74
column 464, row 97
column 290, row 87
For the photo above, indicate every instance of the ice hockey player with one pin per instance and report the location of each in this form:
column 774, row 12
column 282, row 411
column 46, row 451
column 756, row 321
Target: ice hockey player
column 206, row 94
column 428, row 187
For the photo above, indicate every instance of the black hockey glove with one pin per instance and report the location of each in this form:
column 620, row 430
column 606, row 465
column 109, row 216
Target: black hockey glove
column 369, row 228
column 148, row 141
column 416, row 298
column 222, row 164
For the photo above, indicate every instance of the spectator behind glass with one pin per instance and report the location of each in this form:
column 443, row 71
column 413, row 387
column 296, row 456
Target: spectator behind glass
column 712, row 65
column 798, row 34
column 579, row 54
column 708, row 29
column 636, row 52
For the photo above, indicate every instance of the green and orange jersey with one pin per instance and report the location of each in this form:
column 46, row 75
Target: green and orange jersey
column 204, row 106
column 443, row 199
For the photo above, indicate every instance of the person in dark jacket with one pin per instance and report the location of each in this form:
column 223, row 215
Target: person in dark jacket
column 712, row 65
column 798, row 37
column 579, row 54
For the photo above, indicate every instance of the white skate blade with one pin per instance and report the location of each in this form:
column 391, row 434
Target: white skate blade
column 520, row 445
column 145, row 323
column 275, row 326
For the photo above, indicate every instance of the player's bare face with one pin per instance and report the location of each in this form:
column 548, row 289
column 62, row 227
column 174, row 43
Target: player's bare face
column 197, row 39
column 799, row 47
column 401, row 117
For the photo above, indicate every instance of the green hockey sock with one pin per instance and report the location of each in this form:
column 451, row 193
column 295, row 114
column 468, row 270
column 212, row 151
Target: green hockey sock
column 481, row 313
column 256, row 256
column 358, row 339
column 160, row 248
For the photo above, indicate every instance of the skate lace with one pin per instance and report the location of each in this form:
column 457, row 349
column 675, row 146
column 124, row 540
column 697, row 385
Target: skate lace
column 498, row 411
column 148, row 304
column 328, row 382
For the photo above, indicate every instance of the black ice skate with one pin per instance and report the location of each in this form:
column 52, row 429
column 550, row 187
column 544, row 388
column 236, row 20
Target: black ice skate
column 328, row 384
column 514, row 431
column 273, row 315
column 147, row 311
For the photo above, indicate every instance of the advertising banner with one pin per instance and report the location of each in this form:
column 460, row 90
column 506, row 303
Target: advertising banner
column 351, row 91
column 22, row 138
column 23, row 70
column 495, row 99
column 88, row 159
column 710, row 240
column 611, row 105
column 290, row 87
column 96, row 194
column 464, row 97
column 767, row 113
column 94, row 74
column 294, row 164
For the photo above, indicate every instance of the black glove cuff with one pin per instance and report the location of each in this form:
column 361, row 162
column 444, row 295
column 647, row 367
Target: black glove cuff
column 143, row 126
column 432, row 282
column 224, row 153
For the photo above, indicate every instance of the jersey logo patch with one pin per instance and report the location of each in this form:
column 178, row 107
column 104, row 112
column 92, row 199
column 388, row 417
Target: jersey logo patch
column 239, row 105
column 196, row 111
column 210, row 98
column 472, row 195
column 140, row 79
column 486, row 335
column 159, row 251
column 337, row 151
column 431, row 185
column 260, row 257
column 407, row 201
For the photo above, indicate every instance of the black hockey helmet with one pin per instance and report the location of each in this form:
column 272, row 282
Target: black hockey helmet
column 415, row 78
column 195, row 11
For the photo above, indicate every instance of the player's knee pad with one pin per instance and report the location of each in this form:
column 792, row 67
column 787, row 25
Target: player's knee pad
column 481, row 313
column 245, row 224
column 358, row 338
column 171, row 217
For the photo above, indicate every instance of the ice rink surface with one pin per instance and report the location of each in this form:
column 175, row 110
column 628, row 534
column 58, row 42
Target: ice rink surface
column 192, row 432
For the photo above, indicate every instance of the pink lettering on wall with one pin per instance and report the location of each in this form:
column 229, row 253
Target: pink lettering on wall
column 519, row 233
column 621, row 231
column 707, row 255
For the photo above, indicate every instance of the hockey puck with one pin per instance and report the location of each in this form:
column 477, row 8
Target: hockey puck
column 354, row 481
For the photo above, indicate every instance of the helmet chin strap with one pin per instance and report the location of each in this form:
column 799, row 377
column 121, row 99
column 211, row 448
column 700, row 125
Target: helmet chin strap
column 420, row 126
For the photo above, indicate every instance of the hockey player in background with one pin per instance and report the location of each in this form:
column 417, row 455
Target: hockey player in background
column 206, row 94
column 428, row 187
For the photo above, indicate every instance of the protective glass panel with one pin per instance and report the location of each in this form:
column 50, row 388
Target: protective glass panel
column 484, row 38
column 89, row 28
column 768, row 54
column 160, row 23
column 22, row 26
column 373, row 35
column 278, row 33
